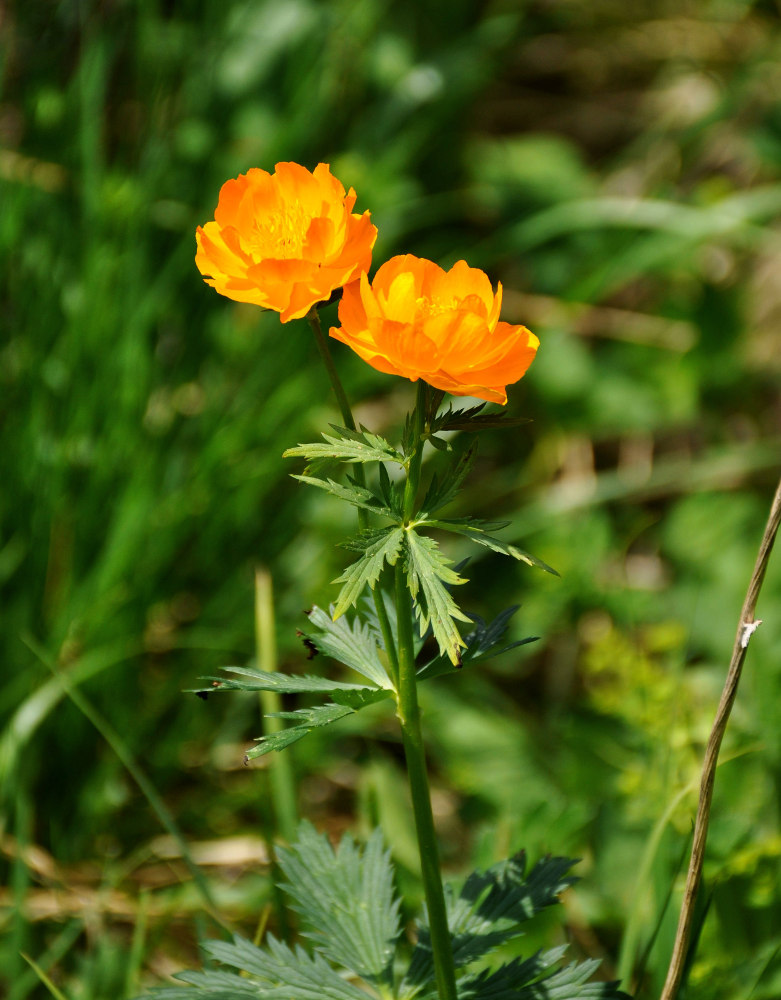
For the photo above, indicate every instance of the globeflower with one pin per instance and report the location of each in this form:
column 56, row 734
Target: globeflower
column 420, row 321
column 284, row 241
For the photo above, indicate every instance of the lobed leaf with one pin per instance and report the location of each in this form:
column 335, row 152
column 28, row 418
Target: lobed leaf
column 481, row 643
column 427, row 573
column 535, row 978
column 477, row 532
column 260, row 680
column 347, row 899
column 491, row 909
column 473, row 419
column 441, row 492
column 348, row 446
column 308, row 719
column 379, row 547
column 356, row 495
column 280, row 972
column 353, row 644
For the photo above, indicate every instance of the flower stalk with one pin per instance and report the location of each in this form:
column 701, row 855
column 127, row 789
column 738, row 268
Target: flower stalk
column 313, row 318
column 409, row 719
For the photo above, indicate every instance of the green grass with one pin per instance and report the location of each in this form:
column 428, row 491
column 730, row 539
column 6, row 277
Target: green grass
column 618, row 170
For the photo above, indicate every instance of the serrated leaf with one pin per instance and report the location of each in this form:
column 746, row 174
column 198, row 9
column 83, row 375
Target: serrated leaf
column 476, row 531
column 259, row 680
column 348, row 446
column 307, row 719
column 346, row 898
column 282, row 972
column 356, row 495
column 352, row 643
column 491, row 909
column 481, row 643
column 441, row 492
column 535, row 979
column 473, row 419
column 427, row 573
column 381, row 547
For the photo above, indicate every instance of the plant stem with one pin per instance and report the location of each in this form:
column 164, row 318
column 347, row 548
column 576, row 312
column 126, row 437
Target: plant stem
column 739, row 650
column 412, row 737
column 363, row 518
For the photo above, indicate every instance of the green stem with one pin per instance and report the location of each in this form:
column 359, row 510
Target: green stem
column 360, row 477
column 413, row 473
column 412, row 738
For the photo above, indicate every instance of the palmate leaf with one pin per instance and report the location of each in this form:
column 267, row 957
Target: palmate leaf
column 379, row 547
column 347, row 900
column 307, row 719
column 348, row 446
column 476, row 530
column 347, row 903
column 492, row 908
column 428, row 571
column 354, row 644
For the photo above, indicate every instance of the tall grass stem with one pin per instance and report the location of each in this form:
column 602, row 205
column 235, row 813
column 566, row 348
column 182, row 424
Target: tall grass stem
column 739, row 650
column 280, row 771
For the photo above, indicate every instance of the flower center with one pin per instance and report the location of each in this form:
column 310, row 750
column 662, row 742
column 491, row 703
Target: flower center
column 281, row 234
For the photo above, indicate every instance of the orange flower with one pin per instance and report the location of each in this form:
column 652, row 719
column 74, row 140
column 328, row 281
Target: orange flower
column 419, row 321
column 285, row 240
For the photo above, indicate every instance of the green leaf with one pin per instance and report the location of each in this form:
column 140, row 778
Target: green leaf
column 441, row 492
column 259, row 680
column 348, row 446
column 476, row 530
column 308, row 719
column 346, row 898
column 427, row 573
column 279, row 972
column 379, row 547
column 358, row 496
column 473, row 419
column 353, row 644
column 481, row 643
column 491, row 908
column 535, row 979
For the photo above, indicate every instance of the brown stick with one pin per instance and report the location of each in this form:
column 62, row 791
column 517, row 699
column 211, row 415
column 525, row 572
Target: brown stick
column 746, row 627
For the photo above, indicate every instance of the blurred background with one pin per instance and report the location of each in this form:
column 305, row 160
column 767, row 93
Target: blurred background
column 618, row 167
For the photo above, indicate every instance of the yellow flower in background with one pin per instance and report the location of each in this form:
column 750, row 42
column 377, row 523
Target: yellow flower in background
column 284, row 241
column 419, row 321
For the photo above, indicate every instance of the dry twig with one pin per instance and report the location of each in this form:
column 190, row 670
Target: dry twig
column 746, row 627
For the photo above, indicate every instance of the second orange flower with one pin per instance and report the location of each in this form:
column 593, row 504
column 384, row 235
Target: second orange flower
column 419, row 321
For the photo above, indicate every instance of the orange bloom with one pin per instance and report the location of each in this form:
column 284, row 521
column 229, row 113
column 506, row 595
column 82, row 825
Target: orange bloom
column 419, row 321
column 285, row 240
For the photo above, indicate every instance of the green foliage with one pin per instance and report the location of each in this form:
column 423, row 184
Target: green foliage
column 598, row 161
column 350, row 912
column 478, row 533
column 348, row 446
column 481, row 643
column 352, row 643
column 428, row 577
column 353, row 494
column 307, row 719
column 379, row 548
